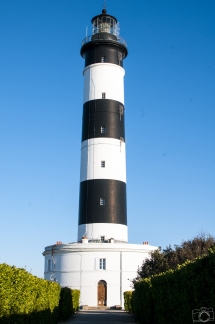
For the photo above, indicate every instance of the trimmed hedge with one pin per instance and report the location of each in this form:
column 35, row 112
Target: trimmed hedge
column 171, row 297
column 26, row 299
column 22, row 295
column 127, row 301
column 69, row 302
column 142, row 302
column 75, row 299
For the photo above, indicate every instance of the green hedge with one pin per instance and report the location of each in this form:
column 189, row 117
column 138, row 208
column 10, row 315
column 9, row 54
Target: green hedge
column 69, row 302
column 127, row 301
column 142, row 301
column 26, row 299
column 75, row 299
column 171, row 297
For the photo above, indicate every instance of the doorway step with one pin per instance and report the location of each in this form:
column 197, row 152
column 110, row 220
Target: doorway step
column 86, row 307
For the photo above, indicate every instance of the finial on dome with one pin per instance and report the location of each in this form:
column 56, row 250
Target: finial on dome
column 104, row 11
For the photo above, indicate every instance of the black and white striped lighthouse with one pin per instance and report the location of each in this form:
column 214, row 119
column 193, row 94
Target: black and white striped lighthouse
column 102, row 200
column 102, row 203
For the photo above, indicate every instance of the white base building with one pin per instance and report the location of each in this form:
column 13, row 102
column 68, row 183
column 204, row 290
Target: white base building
column 102, row 271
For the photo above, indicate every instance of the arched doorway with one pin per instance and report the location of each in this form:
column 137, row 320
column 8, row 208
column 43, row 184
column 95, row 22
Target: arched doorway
column 102, row 293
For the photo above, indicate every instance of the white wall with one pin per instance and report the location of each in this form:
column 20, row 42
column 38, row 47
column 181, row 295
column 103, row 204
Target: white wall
column 110, row 150
column 76, row 266
column 104, row 77
column 109, row 230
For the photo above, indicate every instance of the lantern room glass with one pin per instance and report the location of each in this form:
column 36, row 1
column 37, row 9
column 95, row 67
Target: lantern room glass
column 104, row 24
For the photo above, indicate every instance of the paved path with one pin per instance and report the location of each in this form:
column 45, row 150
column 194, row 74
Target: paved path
column 100, row 317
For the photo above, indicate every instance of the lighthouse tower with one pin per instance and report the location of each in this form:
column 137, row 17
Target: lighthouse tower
column 101, row 261
column 102, row 201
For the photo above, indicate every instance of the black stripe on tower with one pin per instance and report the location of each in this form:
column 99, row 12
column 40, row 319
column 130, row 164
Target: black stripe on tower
column 113, row 51
column 114, row 208
column 103, row 113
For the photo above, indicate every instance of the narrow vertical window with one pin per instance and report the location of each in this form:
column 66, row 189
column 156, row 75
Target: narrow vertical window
column 120, row 57
column 103, row 95
column 121, row 111
column 102, row 264
column 103, row 59
column 102, row 201
column 102, row 238
column 49, row 265
column 103, row 164
column 103, row 129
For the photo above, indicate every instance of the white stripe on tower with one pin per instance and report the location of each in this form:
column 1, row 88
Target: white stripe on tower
column 95, row 152
column 104, row 78
column 102, row 200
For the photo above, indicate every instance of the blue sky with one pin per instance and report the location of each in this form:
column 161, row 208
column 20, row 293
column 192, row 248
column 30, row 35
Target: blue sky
column 170, row 117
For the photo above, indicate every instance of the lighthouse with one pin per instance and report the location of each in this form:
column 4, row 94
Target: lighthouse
column 100, row 263
column 102, row 200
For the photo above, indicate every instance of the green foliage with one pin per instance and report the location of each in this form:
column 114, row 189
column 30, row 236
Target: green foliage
column 25, row 298
column 171, row 297
column 127, row 301
column 69, row 302
column 75, row 299
column 142, row 302
column 169, row 258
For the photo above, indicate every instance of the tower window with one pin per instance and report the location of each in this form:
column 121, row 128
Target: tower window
column 102, row 238
column 119, row 56
column 103, row 59
column 121, row 111
column 102, row 201
column 103, row 95
column 103, row 129
column 103, row 164
column 49, row 265
column 102, row 264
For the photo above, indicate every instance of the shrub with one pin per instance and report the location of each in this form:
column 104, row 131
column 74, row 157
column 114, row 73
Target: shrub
column 69, row 302
column 127, row 301
column 142, row 302
column 170, row 297
column 75, row 299
column 25, row 298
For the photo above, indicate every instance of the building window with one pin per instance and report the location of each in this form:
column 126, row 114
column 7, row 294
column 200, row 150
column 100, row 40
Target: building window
column 103, row 129
column 121, row 111
column 102, row 238
column 102, row 201
column 102, row 264
column 103, row 164
column 49, row 265
column 103, row 95
column 119, row 56
column 103, row 59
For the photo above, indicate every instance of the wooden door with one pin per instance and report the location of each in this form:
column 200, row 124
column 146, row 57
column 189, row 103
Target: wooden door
column 102, row 293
